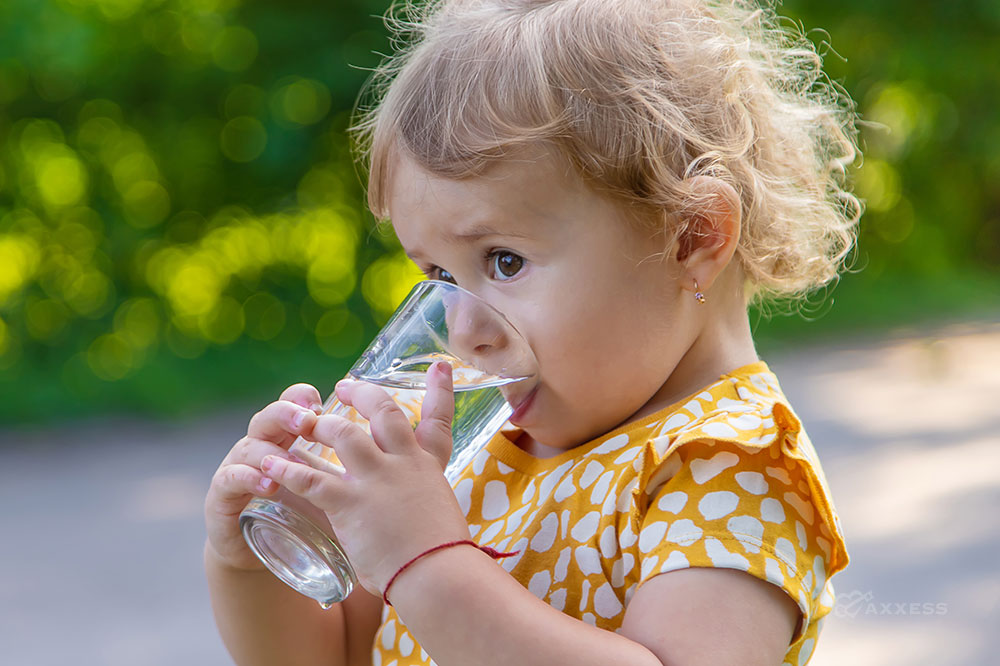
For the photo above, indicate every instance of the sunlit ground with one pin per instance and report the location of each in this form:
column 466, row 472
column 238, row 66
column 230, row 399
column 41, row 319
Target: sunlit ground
column 102, row 524
column 909, row 430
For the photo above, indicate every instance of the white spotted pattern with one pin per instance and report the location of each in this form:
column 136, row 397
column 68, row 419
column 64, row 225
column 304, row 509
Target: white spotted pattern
column 703, row 470
column 718, row 504
column 726, row 480
column 495, row 501
column 672, row 502
column 752, row 482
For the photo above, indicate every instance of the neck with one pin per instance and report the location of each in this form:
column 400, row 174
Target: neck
column 723, row 345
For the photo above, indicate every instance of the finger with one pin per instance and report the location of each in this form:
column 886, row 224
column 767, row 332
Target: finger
column 433, row 433
column 304, row 395
column 233, row 485
column 280, row 422
column 353, row 446
column 250, row 451
column 318, row 487
column 390, row 428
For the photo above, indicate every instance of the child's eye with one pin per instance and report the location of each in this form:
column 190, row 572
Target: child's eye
column 506, row 264
column 437, row 273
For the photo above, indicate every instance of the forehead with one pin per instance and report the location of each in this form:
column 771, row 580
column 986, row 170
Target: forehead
column 511, row 195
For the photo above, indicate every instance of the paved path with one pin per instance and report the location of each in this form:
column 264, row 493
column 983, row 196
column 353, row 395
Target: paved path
column 102, row 534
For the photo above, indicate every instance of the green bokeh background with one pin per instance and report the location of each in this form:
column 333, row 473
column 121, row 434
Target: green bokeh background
column 182, row 225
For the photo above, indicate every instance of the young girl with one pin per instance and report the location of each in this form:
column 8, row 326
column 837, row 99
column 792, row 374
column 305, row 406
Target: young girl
column 619, row 177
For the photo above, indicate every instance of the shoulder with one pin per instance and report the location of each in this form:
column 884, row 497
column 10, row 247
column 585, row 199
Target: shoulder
column 741, row 436
column 736, row 484
column 745, row 408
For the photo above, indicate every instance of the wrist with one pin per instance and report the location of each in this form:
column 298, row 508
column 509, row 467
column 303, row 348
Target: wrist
column 434, row 550
column 245, row 564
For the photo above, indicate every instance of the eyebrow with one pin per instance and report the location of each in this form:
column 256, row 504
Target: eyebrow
column 471, row 234
column 481, row 231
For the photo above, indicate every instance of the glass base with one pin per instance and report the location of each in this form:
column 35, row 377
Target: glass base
column 297, row 551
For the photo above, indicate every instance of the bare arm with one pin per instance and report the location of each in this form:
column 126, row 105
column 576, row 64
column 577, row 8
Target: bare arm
column 704, row 616
column 464, row 609
column 263, row 621
column 260, row 619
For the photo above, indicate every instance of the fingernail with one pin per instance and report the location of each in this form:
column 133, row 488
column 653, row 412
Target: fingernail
column 265, row 483
column 267, row 463
column 316, row 407
column 443, row 368
column 299, row 417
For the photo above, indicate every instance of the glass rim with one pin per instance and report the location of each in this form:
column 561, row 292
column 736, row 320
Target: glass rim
column 420, row 290
column 434, row 283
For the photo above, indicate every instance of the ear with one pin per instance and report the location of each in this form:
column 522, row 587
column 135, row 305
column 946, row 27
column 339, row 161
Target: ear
column 707, row 245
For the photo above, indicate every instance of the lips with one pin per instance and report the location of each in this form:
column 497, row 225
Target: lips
column 522, row 407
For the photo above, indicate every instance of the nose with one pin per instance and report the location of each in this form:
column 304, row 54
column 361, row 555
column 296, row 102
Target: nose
column 477, row 334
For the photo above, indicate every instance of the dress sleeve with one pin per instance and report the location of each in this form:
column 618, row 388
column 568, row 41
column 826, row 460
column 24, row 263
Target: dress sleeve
column 729, row 504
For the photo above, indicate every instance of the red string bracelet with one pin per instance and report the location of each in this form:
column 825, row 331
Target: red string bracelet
column 492, row 552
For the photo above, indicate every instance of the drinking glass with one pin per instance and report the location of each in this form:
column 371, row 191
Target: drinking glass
column 492, row 368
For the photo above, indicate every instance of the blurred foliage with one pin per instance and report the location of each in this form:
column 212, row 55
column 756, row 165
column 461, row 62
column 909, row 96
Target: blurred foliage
column 927, row 84
column 181, row 221
column 925, row 78
column 180, row 216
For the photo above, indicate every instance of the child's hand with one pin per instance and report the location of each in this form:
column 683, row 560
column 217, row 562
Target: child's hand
column 393, row 502
column 270, row 432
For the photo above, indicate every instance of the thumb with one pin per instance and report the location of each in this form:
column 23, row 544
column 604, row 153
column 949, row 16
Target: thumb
column 433, row 433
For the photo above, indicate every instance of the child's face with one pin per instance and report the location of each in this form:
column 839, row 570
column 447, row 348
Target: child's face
column 596, row 299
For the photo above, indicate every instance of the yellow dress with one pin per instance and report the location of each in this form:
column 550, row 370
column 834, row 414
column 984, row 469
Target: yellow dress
column 726, row 478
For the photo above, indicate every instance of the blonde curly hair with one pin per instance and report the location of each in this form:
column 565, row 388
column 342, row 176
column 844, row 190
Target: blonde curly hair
column 639, row 96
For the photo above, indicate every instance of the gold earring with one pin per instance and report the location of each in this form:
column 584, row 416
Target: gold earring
column 698, row 296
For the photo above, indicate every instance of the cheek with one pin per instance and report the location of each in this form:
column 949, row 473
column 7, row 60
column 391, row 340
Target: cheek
column 593, row 317
column 575, row 341
column 631, row 328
